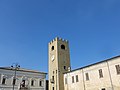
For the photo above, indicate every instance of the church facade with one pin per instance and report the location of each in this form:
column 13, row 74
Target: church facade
column 104, row 75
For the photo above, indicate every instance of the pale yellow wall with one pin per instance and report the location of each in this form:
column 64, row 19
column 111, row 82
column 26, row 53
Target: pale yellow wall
column 95, row 82
column 53, row 65
column 115, row 78
column 74, row 86
column 110, row 80
column 62, row 58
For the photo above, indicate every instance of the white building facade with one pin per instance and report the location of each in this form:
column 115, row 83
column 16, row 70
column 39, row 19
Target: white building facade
column 104, row 75
column 24, row 80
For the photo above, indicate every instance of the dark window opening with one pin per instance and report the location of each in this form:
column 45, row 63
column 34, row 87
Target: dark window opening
column 23, row 83
column 64, row 67
column 52, row 48
column 103, row 89
column 63, row 47
column 72, row 79
column 40, row 83
column 87, row 76
column 77, row 78
column 53, row 88
column 4, row 80
column 32, row 83
column 14, row 80
column 100, row 73
column 117, row 69
column 53, row 78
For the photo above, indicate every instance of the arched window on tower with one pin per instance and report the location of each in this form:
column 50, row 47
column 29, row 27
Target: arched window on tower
column 63, row 46
column 52, row 48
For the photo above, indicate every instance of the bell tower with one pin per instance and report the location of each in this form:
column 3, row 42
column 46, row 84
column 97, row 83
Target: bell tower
column 59, row 62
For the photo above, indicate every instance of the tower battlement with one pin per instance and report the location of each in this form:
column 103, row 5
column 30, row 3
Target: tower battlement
column 58, row 39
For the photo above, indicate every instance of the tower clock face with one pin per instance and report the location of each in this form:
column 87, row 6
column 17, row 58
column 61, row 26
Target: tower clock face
column 52, row 58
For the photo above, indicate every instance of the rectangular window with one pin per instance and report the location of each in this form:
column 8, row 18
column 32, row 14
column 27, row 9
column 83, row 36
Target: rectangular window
column 100, row 73
column 87, row 76
column 77, row 78
column 3, row 80
column 14, row 81
column 40, row 84
column 32, row 83
column 23, row 83
column 65, row 80
column 64, row 67
column 117, row 69
column 72, row 79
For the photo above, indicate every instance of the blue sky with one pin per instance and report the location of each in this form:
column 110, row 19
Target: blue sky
column 27, row 26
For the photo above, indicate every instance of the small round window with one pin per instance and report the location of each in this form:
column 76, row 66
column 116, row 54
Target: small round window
column 63, row 47
column 52, row 48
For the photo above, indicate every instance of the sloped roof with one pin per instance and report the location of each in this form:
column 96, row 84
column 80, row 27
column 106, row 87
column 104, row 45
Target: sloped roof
column 95, row 63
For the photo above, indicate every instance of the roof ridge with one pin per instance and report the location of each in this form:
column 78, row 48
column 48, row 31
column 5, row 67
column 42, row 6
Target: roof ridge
column 95, row 63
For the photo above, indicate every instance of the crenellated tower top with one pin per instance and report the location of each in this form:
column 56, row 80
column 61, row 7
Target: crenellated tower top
column 58, row 39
